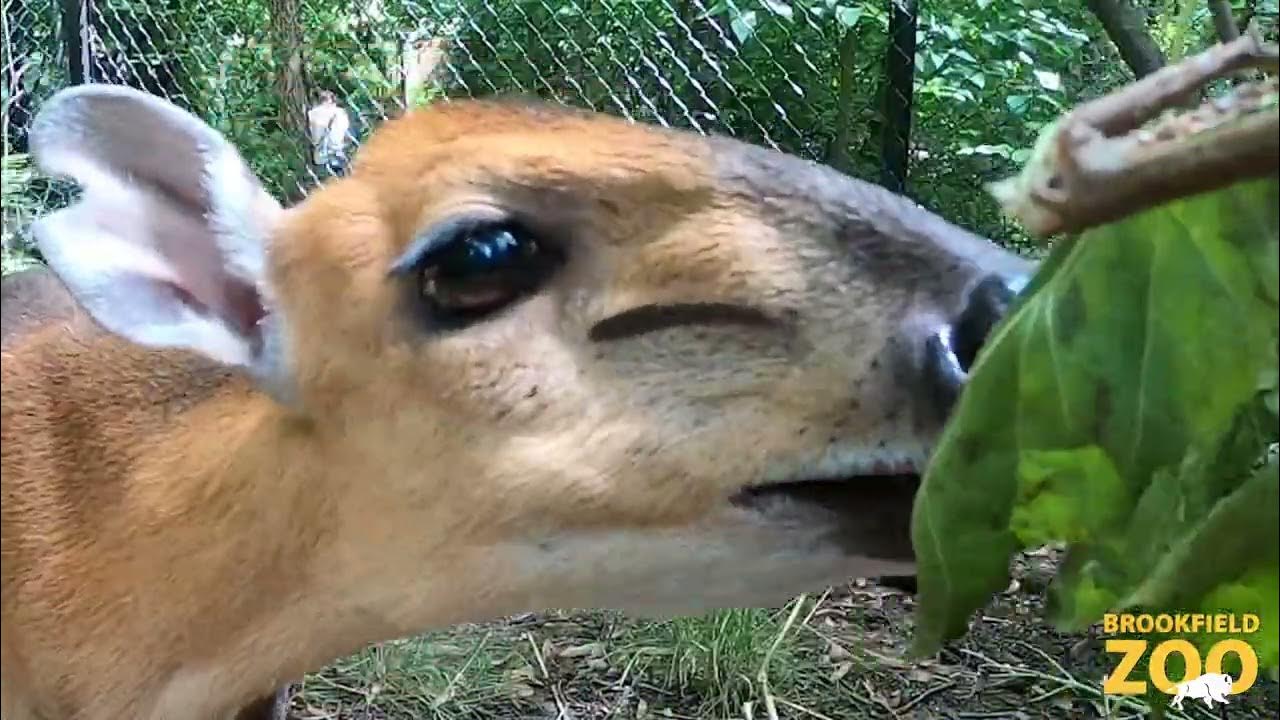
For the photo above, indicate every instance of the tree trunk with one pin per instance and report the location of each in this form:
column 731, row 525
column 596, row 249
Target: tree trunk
column 1223, row 20
column 291, row 85
column 1126, row 27
column 838, row 153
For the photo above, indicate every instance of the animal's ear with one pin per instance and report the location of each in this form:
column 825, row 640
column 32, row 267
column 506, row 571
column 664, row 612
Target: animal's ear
column 168, row 245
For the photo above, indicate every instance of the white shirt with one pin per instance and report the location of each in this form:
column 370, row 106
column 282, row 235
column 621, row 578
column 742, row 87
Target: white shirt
column 328, row 125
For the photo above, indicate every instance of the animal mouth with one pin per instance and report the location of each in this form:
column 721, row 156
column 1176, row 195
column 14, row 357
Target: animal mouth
column 866, row 514
column 836, row 495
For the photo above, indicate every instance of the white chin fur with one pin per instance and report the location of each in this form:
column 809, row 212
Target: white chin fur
column 731, row 564
column 840, row 462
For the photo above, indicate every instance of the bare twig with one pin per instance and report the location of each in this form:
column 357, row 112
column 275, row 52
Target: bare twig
column 932, row 690
column 879, row 700
column 1099, row 163
column 807, row 711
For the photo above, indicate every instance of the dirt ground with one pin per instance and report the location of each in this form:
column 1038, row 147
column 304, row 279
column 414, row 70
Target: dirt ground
column 840, row 658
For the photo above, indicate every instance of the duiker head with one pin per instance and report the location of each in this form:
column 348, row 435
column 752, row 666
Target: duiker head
column 549, row 358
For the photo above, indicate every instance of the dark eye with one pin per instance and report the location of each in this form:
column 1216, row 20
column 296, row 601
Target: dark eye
column 484, row 252
column 468, row 270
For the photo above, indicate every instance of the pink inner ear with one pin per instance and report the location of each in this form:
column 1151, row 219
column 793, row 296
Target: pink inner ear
column 245, row 307
column 242, row 306
column 181, row 235
column 166, row 242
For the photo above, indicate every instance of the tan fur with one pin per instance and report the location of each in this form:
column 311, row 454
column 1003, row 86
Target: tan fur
column 34, row 299
column 176, row 544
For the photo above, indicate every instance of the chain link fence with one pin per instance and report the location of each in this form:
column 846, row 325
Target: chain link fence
column 822, row 79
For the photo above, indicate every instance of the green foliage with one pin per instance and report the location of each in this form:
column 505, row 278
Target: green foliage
column 19, row 208
column 1122, row 408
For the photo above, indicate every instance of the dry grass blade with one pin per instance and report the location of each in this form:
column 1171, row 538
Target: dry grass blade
column 770, row 704
column 447, row 694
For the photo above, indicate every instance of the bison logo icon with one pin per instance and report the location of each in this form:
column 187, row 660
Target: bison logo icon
column 1210, row 687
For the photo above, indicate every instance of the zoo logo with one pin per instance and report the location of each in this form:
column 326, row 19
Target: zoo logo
column 1212, row 685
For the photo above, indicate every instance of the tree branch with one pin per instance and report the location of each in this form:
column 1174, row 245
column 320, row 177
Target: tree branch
column 1126, row 27
column 1105, row 160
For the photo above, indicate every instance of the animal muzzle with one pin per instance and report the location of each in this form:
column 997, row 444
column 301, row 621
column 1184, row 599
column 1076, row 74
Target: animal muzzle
column 950, row 353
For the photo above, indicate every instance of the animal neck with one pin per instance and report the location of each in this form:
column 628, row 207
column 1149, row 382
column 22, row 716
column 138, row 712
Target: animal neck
column 254, row 538
column 308, row 557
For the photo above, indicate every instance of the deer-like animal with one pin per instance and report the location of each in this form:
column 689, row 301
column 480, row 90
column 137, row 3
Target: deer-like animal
column 522, row 357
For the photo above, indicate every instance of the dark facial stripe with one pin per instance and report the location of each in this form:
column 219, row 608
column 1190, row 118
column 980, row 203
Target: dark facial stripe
column 648, row 318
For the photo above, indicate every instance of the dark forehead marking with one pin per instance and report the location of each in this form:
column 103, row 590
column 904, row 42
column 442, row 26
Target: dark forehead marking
column 890, row 234
column 767, row 174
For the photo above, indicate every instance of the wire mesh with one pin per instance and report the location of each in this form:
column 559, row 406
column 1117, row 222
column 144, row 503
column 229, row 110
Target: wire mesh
column 809, row 77
column 711, row 68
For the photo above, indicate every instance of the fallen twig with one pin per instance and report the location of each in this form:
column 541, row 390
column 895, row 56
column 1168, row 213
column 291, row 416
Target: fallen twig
column 807, row 711
column 932, row 690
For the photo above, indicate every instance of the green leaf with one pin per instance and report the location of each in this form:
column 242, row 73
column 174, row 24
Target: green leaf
column 1048, row 80
column 1017, row 104
column 719, row 7
column 848, row 16
column 1242, row 536
column 779, row 8
column 1059, row 488
column 743, row 25
column 1120, row 408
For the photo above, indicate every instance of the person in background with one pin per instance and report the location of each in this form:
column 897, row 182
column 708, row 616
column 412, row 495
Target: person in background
column 329, row 124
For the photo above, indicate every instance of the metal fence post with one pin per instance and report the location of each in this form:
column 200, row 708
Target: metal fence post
column 900, row 68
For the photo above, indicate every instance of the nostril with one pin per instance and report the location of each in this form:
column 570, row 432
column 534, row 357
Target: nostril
column 987, row 304
column 943, row 374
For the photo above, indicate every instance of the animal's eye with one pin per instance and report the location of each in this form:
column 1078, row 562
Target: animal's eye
column 467, row 270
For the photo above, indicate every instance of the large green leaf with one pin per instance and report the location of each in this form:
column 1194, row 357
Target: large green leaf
column 1242, row 536
column 1120, row 408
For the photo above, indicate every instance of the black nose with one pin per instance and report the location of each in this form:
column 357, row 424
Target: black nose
column 988, row 302
column 950, row 353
